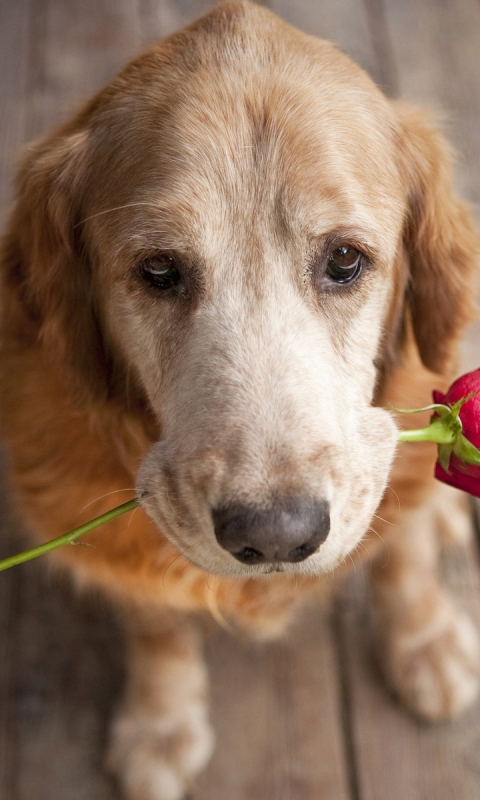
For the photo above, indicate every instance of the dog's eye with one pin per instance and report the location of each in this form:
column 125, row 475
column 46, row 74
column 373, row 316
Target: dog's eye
column 161, row 271
column 344, row 264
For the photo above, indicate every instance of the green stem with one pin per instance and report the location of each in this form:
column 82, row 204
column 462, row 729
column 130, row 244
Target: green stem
column 437, row 432
column 68, row 538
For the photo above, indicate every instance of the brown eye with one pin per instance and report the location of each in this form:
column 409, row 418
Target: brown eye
column 162, row 271
column 344, row 264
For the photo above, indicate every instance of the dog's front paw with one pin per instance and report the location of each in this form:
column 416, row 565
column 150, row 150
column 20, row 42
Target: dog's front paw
column 435, row 670
column 155, row 760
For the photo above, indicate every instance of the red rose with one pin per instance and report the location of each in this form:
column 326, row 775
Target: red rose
column 461, row 474
column 455, row 427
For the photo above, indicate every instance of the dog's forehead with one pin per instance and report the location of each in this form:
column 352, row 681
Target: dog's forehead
column 256, row 128
column 299, row 150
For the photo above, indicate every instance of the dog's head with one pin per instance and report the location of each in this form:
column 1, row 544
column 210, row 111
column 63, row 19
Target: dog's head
column 236, row 227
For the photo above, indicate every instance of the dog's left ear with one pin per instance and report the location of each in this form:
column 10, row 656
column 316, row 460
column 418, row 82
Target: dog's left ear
column 47, row 281
column 442, row 245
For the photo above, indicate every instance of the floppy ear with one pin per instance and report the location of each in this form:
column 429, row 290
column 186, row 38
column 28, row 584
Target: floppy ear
column 47, row 272
column 440, row 241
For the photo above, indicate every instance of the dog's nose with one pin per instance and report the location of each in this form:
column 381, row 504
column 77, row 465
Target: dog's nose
column 289, row 530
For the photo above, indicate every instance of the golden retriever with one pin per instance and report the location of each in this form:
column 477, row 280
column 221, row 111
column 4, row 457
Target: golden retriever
column 215, row 278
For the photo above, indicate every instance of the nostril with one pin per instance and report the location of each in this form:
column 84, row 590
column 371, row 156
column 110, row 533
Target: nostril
column 302, row 552
column 248, row 555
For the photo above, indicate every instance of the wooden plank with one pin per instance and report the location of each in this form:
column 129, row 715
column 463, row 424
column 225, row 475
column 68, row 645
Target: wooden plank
column 9, row 602
column 68, row 675
column 346, row 23
column 61, row 672
column 397, row 756
column 162, row 17
column 14, row 36
column 79, row 46
column 435, row 47
column 277, row 714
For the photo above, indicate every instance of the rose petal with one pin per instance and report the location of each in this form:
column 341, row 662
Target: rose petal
column 438, row 397
column 470, row 411
column 460, row 480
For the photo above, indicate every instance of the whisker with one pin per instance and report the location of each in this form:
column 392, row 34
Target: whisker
column 352, row 560
column 170, row 564
column 177, row 518
column 107, row 494
column 116, row 208
column 387, row 550
column 376, row 534
column 386, row 521
column 396, row 495
column 131, row 516
column 212, row 602
column 183, row 570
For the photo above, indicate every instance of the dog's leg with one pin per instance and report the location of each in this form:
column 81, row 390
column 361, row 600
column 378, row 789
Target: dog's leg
column 429, row 648
column 161, row 737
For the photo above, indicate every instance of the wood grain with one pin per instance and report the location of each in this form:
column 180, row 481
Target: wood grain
column 436, row 48
column 78, row 47
column 14, row 40
column 277, row 713
column 346, row 23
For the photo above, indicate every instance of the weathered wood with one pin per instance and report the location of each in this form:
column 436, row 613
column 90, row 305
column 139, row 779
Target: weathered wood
column 277, row 713
column 9, row 608
column 436, row 48
column 68, row 674
column 346, row 23
column 14, row 40
column 79, row 47
column 162, row 17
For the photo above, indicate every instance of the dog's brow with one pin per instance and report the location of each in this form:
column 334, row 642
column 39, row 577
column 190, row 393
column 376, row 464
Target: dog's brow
column 109, row 210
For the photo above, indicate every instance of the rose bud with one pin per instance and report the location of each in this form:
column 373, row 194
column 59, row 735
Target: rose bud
column 457, row 471
column 455, row 426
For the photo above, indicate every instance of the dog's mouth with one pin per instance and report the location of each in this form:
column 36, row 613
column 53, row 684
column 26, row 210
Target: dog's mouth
column 274, row 537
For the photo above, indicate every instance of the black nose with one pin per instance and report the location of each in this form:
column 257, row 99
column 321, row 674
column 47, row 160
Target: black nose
column 291, row 529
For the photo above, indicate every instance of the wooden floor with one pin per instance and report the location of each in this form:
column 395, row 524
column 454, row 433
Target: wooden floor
column 310, row 717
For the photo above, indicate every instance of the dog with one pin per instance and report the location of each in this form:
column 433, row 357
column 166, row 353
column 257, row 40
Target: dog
column 216, row 278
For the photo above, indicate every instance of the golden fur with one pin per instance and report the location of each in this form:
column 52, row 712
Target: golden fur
column 95, row 371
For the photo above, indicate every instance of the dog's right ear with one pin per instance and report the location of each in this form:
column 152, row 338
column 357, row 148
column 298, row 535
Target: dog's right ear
column 46, row 266
column 440, row 240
